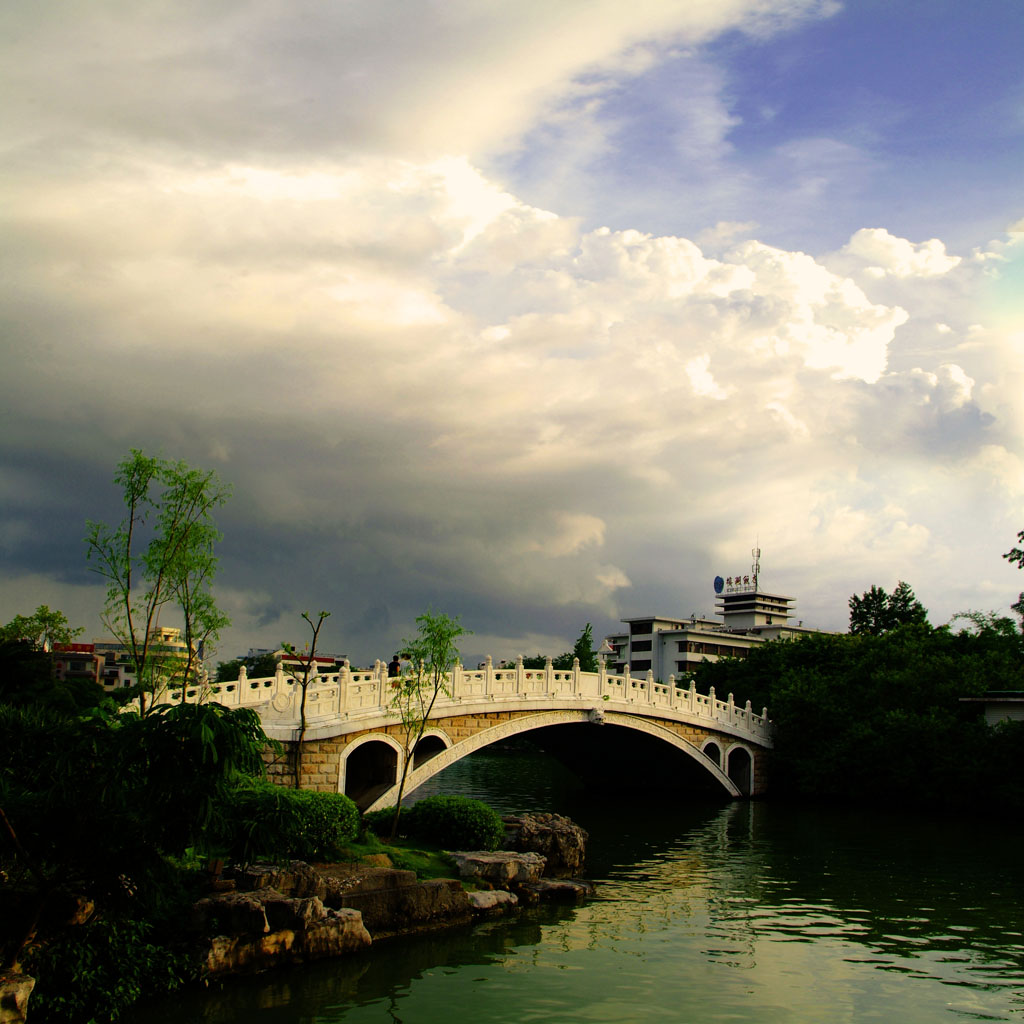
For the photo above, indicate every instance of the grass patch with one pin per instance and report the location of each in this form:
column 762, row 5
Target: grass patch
column 427, row 860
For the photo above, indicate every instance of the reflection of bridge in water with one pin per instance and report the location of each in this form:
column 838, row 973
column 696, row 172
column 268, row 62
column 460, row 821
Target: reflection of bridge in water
column 352, row 740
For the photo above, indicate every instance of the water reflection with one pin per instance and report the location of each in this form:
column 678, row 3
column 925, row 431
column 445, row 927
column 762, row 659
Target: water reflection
column 704, row 912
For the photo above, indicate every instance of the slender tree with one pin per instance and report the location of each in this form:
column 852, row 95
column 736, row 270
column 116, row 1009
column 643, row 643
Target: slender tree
column 161, row 552
column 432, row 656
column 308, row 661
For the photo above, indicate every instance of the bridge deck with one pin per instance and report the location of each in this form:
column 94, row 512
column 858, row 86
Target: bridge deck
column 349, row 701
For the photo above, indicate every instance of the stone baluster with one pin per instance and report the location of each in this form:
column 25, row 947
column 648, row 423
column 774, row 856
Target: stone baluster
column 520, row 675
column 731, row 711
column 691, row 696
column 711, row 702
column 650, row 685
column 489, row 675
column 671, row 702
column 602, row 673
column 344, row 679
column 574, row 686
column 549, row 675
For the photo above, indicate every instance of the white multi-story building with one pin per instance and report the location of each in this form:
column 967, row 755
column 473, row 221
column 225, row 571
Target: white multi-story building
column 167, row 650
column 669, row 646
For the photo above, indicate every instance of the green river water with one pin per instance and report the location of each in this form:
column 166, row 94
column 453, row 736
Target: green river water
column 732, row 912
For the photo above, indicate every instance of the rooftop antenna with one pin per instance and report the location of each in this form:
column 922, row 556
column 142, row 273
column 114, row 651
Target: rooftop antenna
column 755, row 567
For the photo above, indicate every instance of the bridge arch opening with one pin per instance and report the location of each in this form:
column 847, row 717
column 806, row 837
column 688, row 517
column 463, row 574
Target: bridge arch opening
column 713, row 751
column 370, row 770
column 740, row 768
column 428, row 747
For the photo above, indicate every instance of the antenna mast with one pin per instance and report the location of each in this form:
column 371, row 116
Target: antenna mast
column 755, row 568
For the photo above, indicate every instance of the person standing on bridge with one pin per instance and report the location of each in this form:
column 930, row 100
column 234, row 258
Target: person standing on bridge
column 394, row 667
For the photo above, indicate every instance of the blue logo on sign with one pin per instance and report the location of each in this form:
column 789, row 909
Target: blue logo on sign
column 719, row 584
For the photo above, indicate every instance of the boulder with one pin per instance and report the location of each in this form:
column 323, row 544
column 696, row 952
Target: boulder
column 415, row 906
column 265, row 928
column 492, row 902
column 15, row 988
column 562, row 842
column 231, row 913
column 555, row 890
column 501, row 869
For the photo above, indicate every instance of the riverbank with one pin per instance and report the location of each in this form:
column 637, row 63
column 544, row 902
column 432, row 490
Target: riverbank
column 260, row 917
column 266, row 915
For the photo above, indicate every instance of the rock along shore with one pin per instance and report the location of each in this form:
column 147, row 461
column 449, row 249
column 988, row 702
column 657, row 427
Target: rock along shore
column 276, row 915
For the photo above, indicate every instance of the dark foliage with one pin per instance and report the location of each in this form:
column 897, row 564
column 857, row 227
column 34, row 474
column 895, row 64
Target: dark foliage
column 878, row 717
column 27, row 679
column 95, row 972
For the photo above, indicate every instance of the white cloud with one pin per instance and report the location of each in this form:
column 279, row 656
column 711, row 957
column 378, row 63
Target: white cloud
column 886, row 254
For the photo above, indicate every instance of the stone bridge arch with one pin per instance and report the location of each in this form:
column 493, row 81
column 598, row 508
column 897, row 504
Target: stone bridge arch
column 673, row 734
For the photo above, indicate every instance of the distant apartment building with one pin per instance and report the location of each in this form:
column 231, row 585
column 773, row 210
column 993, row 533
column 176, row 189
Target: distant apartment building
column 672, row 646
column 167, row 649
column 77, row 661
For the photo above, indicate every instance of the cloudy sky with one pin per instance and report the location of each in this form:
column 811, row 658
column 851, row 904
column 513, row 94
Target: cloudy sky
column 536, row 312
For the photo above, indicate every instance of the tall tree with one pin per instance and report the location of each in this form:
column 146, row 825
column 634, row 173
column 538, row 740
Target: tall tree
column 875, row 612
column 582, row 649
column 1016, row 555
column 40, row 630
column 161, row 552
column 432, row 655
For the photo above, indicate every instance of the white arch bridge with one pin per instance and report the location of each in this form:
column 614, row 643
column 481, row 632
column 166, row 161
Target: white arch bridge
column 352, row 743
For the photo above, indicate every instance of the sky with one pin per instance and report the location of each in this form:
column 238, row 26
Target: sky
column 533, row 313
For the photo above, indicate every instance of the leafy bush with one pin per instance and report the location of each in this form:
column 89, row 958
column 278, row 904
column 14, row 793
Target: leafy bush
column 97, row 971
column 267, row 820
column 455, row 823
column 379, row 822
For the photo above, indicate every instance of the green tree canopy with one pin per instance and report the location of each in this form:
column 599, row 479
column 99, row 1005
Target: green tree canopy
column 877, row 612
column 41, row 630
column 160, row 553
column 869, row 717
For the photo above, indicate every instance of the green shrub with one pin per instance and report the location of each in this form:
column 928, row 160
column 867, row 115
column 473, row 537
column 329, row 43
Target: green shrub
column 379, row 822
column 270, row 821
column 455, row 823
column 96, row 971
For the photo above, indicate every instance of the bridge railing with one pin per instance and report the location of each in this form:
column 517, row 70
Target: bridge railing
column 354, row 695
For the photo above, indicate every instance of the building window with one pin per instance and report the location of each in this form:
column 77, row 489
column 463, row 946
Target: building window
column 641, row 645
column 640, row 665
column 641, row 628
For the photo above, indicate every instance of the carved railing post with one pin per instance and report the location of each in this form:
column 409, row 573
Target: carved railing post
column 549, row 675
column 344, row 679
column 711, row 702
column 575, row 685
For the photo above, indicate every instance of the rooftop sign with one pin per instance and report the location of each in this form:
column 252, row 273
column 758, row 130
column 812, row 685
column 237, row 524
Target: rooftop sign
column 742, row 584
